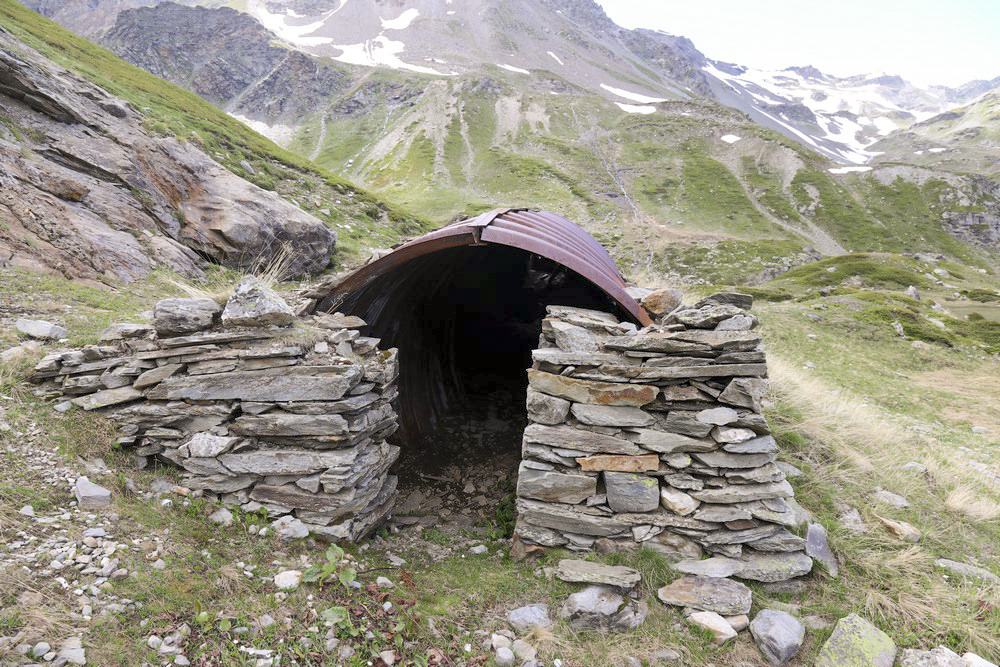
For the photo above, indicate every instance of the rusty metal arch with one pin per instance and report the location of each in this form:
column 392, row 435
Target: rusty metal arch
column 545, row 234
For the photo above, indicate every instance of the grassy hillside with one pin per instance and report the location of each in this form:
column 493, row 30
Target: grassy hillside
column 362, row 220
column 851, row 403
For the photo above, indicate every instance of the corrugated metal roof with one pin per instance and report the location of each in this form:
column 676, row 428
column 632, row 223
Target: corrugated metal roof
column 539, row 232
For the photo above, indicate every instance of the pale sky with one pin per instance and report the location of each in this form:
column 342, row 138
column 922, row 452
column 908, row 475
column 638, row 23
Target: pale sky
column 944, row 42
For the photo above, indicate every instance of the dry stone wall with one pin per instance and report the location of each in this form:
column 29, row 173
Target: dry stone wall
column 656, row 437
column 254, row 415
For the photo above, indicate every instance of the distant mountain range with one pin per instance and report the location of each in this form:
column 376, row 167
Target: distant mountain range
column 449, row 107
column 571, row 41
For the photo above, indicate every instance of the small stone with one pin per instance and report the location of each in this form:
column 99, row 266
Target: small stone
column 89, row 494
column 182, row 661
column 901, row 529
column 677, row 501
column 666, row 656
column 288, row 580
column 778, row 635
column 154, row 642
column 504, row 657
column 221, row 516
column 662, row 302
column 973, row 660
column 290, row 528
column 27, row 510
column 254, row 304
column 852, row 522
column 159, row 564
column 581, row 571
column 383, row 582
column 479, row 549
column 388, row 657
column 913, row 466
column 40, row 649
column 942, row 656
column 72, row 652
column 857, row 643
column 966, row 570
column 739, row 623
column 890, row 498
column 629, row 492
column 523, row 650
column 912, row 292
column 603, row 608
column 818, row 548
column 523, row 619
column 41, row 329
column 715, row 624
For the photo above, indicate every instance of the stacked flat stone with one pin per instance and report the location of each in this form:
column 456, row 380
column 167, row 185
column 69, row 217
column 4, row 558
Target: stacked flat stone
column 250, row 415
column 656, row 437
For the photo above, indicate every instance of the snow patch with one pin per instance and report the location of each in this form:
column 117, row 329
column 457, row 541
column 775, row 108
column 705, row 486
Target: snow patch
column 884, row 125
column 636, row 108
column 730, row 138
column 380, row 51
column 936, row 150
column 401, row 22
column 511, row 68
column 556, row 58
column 279, row 134
column 635, row 97
column 296, row 34
column 918, row 152
column 847, row 170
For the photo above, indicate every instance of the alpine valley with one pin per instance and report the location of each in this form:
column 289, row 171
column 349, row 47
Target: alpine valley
column 685, row 167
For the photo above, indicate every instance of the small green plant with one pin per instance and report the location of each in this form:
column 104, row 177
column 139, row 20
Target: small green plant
column 331, row 569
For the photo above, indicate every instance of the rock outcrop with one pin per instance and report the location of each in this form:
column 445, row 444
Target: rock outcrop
column 87, row 192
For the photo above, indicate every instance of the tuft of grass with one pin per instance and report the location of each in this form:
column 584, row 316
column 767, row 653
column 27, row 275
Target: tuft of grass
column 964, row 500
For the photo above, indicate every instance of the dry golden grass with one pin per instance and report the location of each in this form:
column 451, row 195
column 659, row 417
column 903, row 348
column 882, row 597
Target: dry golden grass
column 964, row 500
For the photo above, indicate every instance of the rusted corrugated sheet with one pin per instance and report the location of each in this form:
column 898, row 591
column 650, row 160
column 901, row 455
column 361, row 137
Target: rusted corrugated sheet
column 545, row 234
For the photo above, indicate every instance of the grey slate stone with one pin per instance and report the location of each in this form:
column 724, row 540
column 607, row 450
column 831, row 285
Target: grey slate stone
column 778, row 635
column 178, row 317
column 525, row 618
column 776, row 566
column 631, row 492
column 603, row 608
column 554, row 487
column 724, row 597
column 254, row 304
column 611, row 415
column 41, row 329
column 545, row 409
column 89, row 494
column 818, row 548
column 581, row 571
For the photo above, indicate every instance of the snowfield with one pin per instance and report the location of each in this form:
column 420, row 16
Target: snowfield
column 730, row 138
column 635, row 97
column 636, row 108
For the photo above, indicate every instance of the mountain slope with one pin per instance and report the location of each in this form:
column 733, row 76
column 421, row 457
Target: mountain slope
column 362, row 221
column 686, row 188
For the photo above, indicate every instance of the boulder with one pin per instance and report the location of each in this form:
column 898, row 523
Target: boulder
column 586, row 572
column 178, row 317
column 857, row 643
column 706, row 317
column 738, row 299
column 603, row 608
column 724, row 597
column 630, row 492
column 289, row 528
column 778, row 635
column 41, row 329
column 254, row 304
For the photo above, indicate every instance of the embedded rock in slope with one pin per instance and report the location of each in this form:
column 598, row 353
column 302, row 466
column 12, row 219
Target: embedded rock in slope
column 86, row 192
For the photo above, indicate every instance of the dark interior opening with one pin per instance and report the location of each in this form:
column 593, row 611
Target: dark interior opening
column 465, row 321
